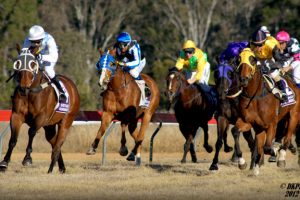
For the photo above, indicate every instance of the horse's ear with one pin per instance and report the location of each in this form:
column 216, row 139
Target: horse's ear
column 217, row 58
column 252, row 60
column 173, row 69
column 18, row 48
column 101, row 51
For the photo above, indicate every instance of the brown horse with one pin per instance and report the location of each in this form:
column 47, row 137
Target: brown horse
column 192, row 110
column 261, row 110
column 34, row 103
column 121, row 98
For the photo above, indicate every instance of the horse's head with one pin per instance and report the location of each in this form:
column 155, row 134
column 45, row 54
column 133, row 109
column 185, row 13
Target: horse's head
column 107, row 66
column 227, row 81
column 247, row 66
column 26, row 68
column 175, row 80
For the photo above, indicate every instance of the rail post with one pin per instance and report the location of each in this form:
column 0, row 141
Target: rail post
column 152, row 139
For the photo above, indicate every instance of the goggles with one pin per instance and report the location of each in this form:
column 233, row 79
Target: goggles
column 189, row 51
column 123, row 44
column 258, row 44
column 36, row 42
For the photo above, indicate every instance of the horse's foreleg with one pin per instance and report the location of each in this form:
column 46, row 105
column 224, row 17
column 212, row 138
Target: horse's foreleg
column 106, row 119
column 186, row 147
column 123, row 149
column 208, row 147
column 140, row 137
column 27, row 159
column 260, row 140
column 222, row 126
column 238, row 152
column 227, row 148
column 61, row 164
column 132, row 127
column 15, row 125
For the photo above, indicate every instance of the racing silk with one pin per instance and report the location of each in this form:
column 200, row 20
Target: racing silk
column 196, row 63
column 266, row 51
column 293, row 49
column 132, row 57
column 48, row 48
column 232, row 51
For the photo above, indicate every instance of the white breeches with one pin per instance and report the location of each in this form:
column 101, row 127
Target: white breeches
column 296, row 71
column 49, row 69
column 135, row 72
column 205, row 76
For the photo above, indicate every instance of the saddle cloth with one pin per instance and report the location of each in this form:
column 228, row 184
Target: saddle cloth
column 64, row 106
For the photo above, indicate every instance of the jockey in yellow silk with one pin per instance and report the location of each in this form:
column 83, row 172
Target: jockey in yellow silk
column 194, row 61
column 266, row 50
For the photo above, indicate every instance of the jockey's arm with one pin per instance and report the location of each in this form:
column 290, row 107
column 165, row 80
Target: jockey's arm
column 53, row 52
column 137, row 58
column 179, row 63
column 200, row 68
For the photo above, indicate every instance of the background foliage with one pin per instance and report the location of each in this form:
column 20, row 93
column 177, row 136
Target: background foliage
column 80, row 27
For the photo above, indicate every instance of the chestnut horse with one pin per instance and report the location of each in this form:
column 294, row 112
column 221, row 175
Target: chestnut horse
column 192, row 110
column 228, row 89
column 261, row 110
column 121, row 98
column 34, row 103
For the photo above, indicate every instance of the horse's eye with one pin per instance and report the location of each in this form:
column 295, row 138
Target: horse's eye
column 230, row 74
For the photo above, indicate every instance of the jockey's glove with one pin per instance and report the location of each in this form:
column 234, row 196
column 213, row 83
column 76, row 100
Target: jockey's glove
column 120, row 63
column 39, row 57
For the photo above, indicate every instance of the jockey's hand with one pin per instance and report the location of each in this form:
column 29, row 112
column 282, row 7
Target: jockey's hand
column 285, row 69
column 39, row 57
column 191, row 81
column 120, row 63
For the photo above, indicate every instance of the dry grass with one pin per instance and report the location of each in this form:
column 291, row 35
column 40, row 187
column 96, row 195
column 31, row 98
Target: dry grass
column 165, row 178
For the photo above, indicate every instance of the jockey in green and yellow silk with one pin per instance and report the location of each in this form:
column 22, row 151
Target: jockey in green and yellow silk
column 194, row 61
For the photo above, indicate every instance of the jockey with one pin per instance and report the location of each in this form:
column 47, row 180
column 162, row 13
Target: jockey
column 265, row 30
column 128, row 55
column 195, row 62
column 47, row 53
column 231, row 54
column 267, row 51
column 290, row 48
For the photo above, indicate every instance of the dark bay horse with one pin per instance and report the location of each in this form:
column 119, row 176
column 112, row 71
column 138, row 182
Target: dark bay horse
column 121, row 98
column 192, row 109
column 227, row 86
column 261, row 110
column 34, row 102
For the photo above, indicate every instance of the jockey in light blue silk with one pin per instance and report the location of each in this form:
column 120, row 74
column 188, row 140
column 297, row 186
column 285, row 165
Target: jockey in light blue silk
column 129, row 56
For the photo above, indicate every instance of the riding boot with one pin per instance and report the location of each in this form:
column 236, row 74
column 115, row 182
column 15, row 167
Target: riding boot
column 282, row 87
column 62, row 96
column 141, row 84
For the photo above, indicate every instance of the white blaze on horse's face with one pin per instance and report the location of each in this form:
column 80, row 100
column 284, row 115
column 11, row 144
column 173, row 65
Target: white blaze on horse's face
column 170, row 83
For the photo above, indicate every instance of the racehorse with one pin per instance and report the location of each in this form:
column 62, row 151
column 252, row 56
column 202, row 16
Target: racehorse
column 227, row 86
column 121, row 98
column 34, row 102
column 193, row 109
column 261, row 110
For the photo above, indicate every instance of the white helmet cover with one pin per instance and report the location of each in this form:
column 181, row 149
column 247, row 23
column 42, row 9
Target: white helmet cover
column 36, row 33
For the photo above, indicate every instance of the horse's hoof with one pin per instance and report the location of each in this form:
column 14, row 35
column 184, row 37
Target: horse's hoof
column 228, row 149
column 281, row 163
column 243, row 166
column 62, row 171
column 131, row 157
column 3, row 166
column 208, row 148
column 272, row 159
column 293, row 149
column 91, row 151
column 213, row 167
column 138, row 161
column 27, row 162
column 234, row 159
column 123, row 151
column 194, row 160
column 183, row 161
